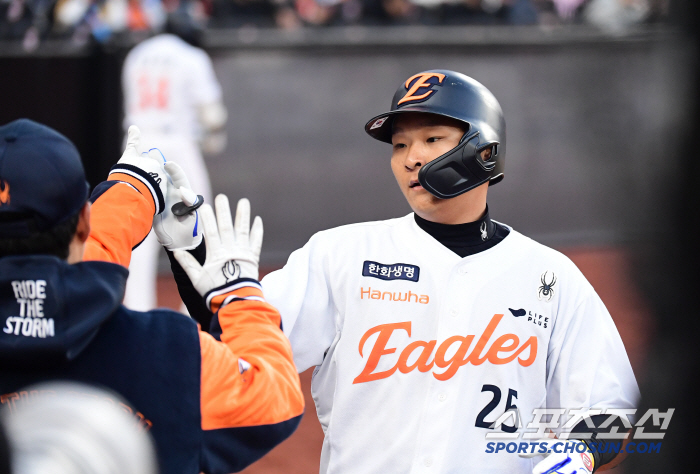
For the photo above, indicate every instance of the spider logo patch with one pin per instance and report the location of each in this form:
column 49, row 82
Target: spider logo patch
column 483, row 230
column 546, row 291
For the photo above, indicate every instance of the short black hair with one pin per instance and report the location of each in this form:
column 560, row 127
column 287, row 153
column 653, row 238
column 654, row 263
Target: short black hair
column 180, row 23
column 55, row 241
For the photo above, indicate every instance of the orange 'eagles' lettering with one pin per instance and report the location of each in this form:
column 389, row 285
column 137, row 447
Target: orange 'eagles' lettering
column 424, row 83
column 503, row 350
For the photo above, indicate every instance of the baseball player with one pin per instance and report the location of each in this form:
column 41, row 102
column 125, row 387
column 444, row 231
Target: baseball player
column 171, row 93
column 212, row 405
column 425, row 329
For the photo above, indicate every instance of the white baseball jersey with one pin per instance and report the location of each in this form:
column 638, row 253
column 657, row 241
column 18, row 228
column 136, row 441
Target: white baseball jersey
column 164, row 80
column 417, row 351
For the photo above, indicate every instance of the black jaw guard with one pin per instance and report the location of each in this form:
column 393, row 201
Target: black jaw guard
column 459, row 170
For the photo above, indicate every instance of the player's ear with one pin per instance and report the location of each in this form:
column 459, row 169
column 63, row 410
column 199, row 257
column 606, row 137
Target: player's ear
column 82, row 231
column 76, row 248
column 486, row 153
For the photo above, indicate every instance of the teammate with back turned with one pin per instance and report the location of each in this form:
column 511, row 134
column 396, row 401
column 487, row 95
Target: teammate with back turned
column 425, row 329
column 212, row 405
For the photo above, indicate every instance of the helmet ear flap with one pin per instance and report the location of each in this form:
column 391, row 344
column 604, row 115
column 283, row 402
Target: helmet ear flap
column 455, row 172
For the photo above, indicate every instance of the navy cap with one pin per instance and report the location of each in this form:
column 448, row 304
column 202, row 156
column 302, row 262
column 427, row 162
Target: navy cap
column 42, row 181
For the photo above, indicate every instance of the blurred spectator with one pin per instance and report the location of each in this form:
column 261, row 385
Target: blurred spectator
column 238, row 13
column 411, row 12
column 101, row 20
column 71, row 428
column 617, row 15
column 28, row 20
column 567, row 8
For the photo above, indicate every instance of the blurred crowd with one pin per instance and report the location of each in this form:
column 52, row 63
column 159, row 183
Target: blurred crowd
column 100, row 20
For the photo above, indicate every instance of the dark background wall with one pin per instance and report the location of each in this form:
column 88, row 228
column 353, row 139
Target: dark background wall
column 589, row 127
column 77, row 93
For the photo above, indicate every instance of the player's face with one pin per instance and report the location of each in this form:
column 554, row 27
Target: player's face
column 418, row 139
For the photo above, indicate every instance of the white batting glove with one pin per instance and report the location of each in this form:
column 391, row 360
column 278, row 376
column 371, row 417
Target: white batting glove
column 177, row 227
column 146, row 169
column 231, row 254
column 569, row 461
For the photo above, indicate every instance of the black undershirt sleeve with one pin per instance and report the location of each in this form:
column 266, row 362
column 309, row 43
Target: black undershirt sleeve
column 593, row 442
column 192, row 299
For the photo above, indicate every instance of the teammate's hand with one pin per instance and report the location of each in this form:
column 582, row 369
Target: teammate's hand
column 230, row 254
column 177, row 227
column 146, row 167
column 569, row 461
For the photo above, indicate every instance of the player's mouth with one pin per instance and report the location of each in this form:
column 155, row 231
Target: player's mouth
column 414, row 184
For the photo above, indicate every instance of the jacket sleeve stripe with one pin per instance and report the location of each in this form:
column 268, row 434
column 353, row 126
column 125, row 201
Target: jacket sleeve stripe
column 238, row 289
column 141, row 181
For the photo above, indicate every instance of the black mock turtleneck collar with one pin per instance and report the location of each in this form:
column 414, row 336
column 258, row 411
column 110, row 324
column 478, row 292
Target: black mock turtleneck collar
column 466, row 239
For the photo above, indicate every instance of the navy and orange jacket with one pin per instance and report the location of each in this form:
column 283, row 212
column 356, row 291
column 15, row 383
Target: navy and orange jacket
column 212, row 406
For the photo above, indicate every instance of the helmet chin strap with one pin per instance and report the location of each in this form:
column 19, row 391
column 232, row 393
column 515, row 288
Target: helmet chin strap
column 459, row 170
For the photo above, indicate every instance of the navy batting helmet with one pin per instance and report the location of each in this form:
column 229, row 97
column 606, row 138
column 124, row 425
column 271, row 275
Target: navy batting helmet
column 460, row 97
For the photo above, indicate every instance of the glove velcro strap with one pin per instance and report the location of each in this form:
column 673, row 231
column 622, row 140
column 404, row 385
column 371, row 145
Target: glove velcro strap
column 142, row 181
column 591, row 456
column 236, row 290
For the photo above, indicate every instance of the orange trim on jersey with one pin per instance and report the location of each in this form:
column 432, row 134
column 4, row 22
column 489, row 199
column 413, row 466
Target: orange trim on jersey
column 119, row 220
column 138, row 184
column 269, row 391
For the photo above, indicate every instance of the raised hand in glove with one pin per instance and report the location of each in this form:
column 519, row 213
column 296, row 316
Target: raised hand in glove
column 177, row 227
column 573, row 457
column 144, row 171
column 232, row 254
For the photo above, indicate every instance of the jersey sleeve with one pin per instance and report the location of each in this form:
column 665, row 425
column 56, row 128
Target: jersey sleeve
column 587, row 365
column 301, row 292
column 205, row 87
column 120, row 219
column 251, row 398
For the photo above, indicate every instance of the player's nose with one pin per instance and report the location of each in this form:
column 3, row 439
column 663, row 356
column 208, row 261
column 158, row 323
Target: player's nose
column 415, row 158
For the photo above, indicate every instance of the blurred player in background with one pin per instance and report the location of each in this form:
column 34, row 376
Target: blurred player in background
column 171, row 93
